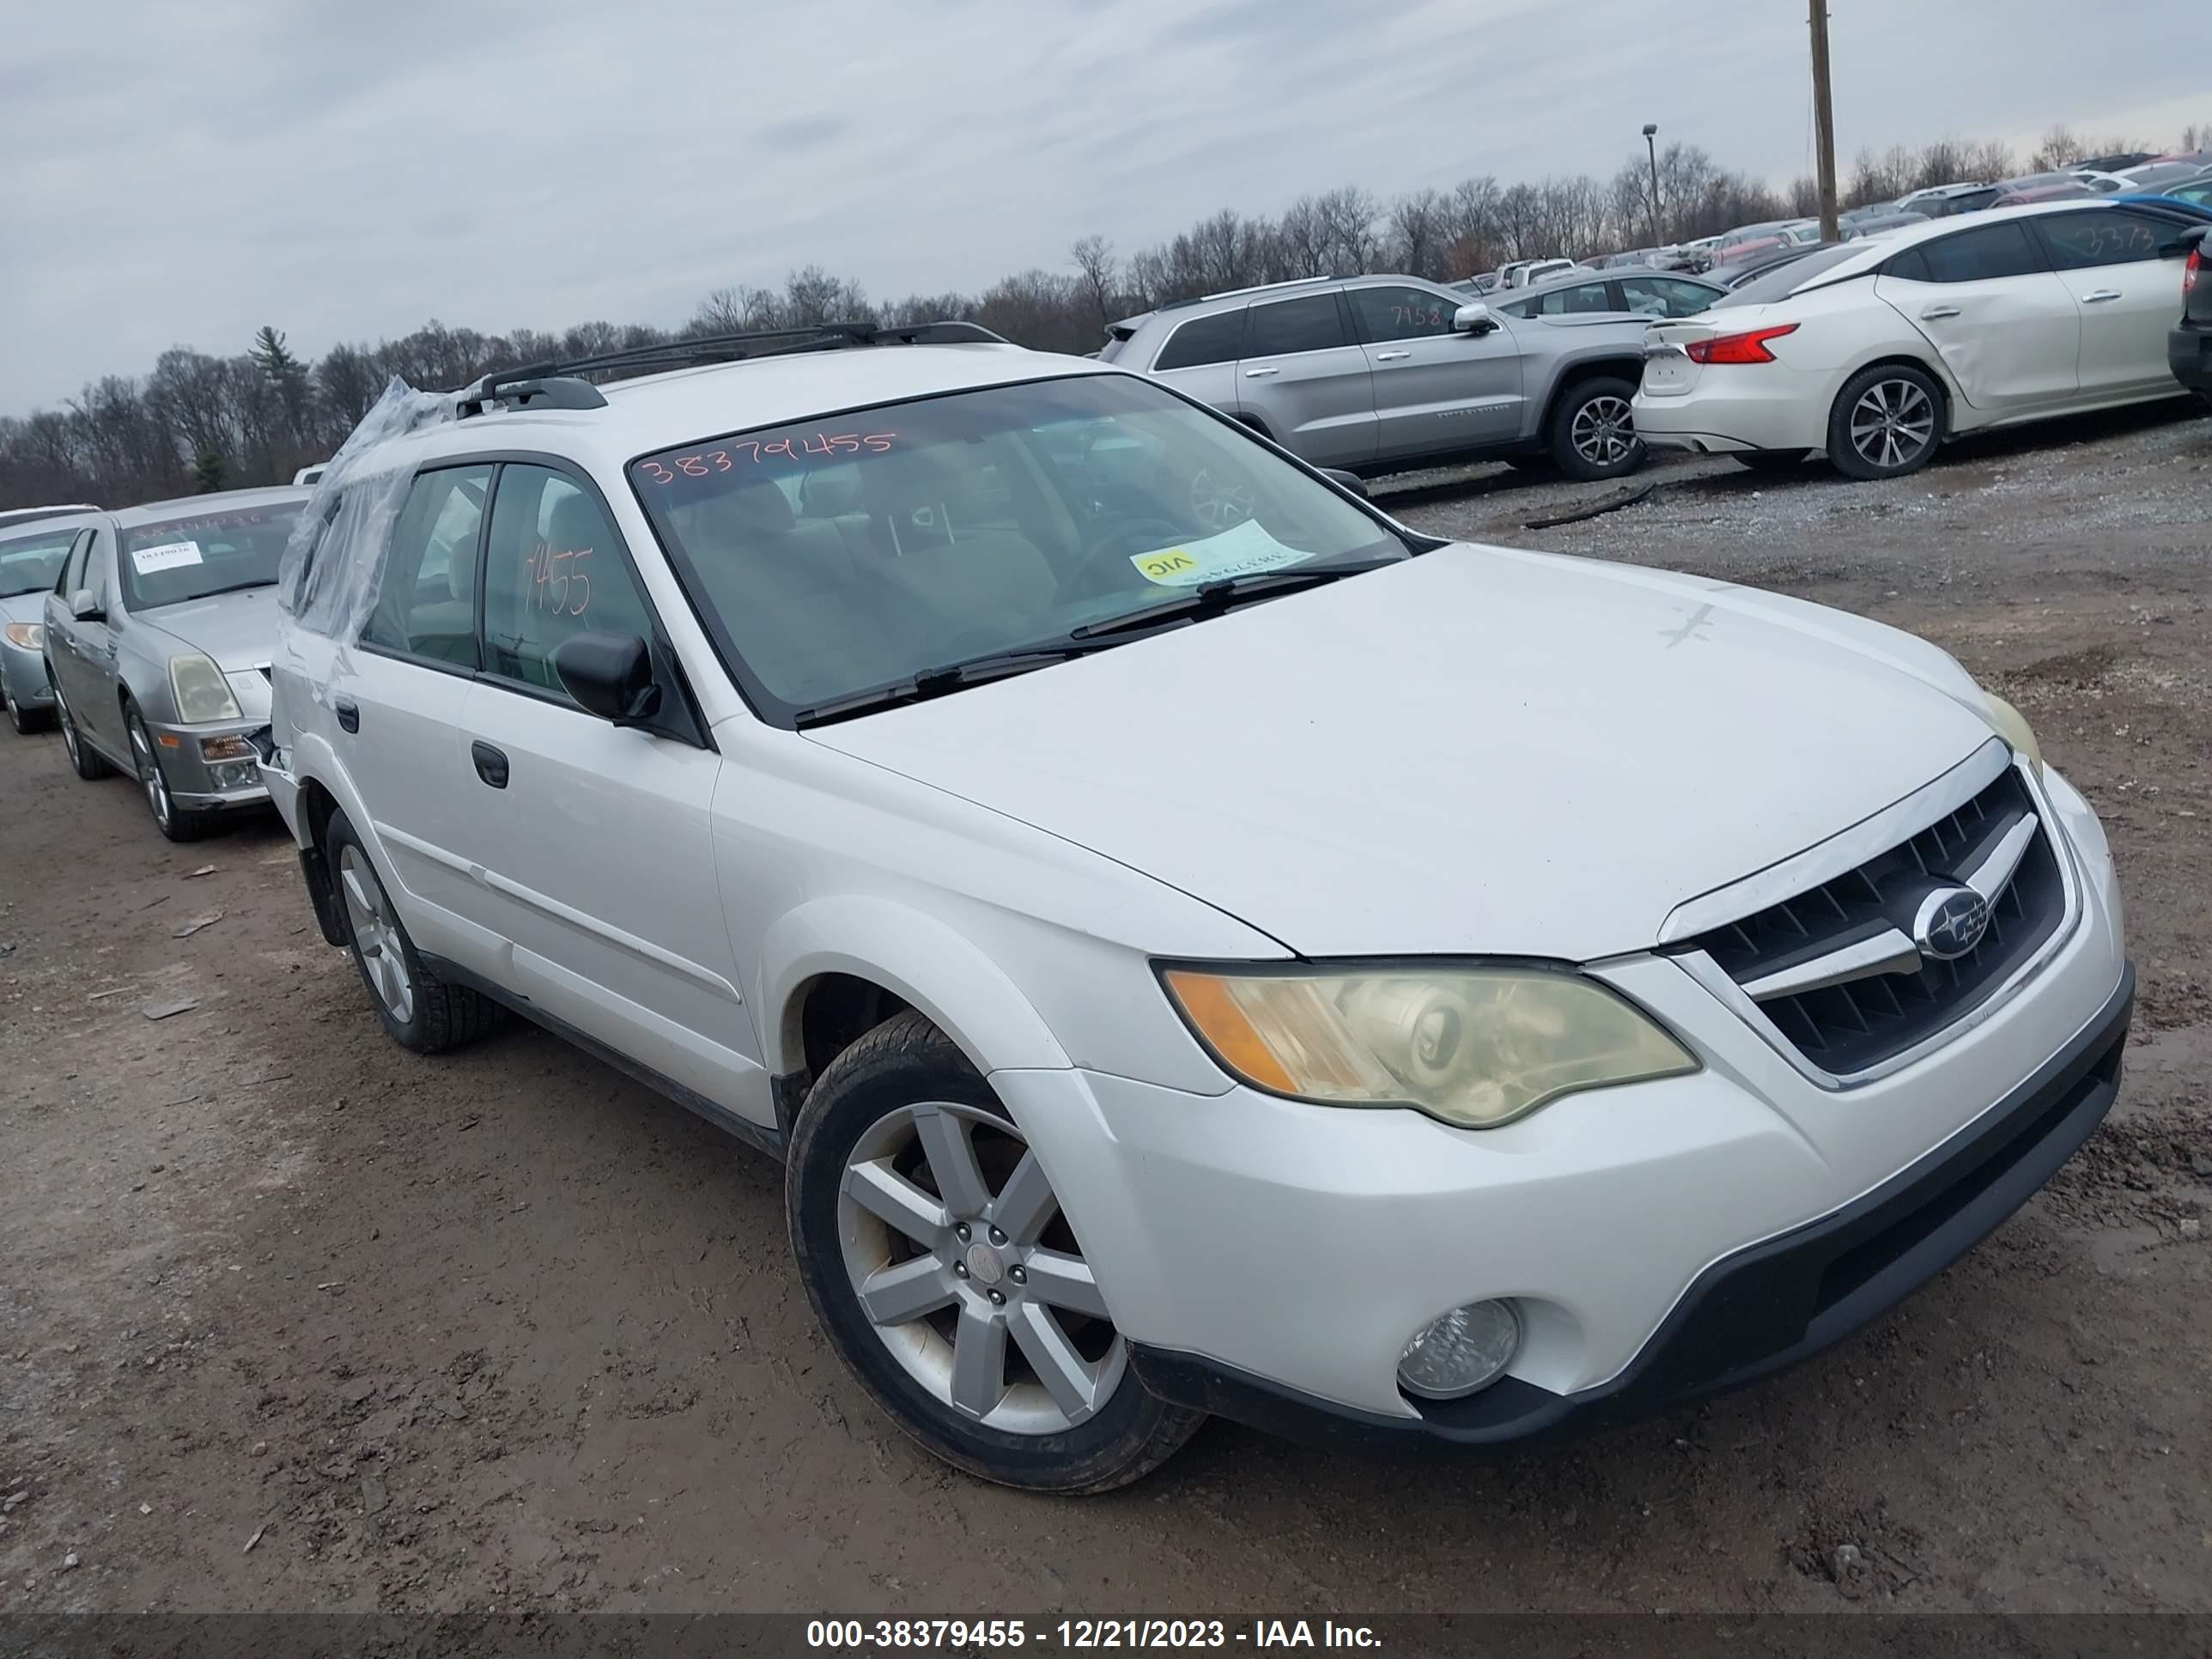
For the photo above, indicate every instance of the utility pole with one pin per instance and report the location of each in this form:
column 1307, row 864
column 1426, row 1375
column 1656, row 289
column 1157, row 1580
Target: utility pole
column 1651, row 143
column 1823, row 122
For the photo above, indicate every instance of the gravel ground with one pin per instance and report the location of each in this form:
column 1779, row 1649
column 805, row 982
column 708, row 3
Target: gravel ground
column 291, row 1319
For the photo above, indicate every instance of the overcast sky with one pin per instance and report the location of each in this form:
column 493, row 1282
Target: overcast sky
column 182, row 173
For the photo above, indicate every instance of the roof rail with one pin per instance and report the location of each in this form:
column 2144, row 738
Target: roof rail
column 557, row 383
column 1260, row 287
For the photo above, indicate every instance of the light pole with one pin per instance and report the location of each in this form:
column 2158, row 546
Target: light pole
column 1651, row 143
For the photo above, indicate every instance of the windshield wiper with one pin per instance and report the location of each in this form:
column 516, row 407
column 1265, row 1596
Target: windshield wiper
column 234, row 587
column 1212, row 598
column 955, row 676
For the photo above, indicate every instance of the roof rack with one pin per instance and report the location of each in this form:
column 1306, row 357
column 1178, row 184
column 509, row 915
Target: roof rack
column 1259, row 287
column 557, row 382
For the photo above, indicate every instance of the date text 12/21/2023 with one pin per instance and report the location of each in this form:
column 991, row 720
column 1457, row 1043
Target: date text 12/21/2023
column 665, row 470
column 879, row 1634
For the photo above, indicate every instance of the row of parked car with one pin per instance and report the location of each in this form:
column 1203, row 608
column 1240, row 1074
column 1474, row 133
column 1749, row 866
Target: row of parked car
column 1137, row 886
column 1871, row 353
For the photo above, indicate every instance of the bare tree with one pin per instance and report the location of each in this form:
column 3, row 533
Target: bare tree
column 1419, row 222
column 1093, row 258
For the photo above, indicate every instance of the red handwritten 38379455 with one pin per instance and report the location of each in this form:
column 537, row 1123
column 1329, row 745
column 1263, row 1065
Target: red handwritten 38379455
column 708, row 462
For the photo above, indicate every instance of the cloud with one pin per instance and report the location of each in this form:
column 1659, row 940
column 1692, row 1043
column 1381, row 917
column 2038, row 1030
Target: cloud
column 185, row 174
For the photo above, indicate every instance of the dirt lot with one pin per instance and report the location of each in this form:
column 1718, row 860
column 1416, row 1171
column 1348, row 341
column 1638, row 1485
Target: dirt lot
column 505, row 1330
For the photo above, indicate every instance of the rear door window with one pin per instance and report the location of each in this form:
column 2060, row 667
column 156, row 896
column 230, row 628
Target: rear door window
column 1664, row 296
column 2103, row 236
column 1312, row 324
column 1216, row 339
column 427, row 606
column 1983, row 254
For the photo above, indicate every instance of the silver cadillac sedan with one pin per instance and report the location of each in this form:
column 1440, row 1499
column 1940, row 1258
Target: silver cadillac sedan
column 158, row 637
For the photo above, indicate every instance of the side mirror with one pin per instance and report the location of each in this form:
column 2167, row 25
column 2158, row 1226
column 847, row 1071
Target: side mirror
column 85, row 608
column 609, row 675
column 1343, row 480
column 1474, row 318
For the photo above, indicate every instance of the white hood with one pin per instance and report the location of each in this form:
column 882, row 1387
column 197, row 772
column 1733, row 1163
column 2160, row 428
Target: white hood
column 1480, row 751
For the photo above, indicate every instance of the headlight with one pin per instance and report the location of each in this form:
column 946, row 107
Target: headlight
column 1475, row 1047
column 2012, row 726
column 202, row 693
column 29, row 636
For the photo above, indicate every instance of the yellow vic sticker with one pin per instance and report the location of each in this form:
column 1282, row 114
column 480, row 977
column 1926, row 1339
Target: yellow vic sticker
column 1164, row 566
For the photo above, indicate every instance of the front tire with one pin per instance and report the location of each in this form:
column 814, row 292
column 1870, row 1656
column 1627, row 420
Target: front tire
column 1887, row 422
column 420, row 1011
column 933, row 1250
column 24, row 720
column 1592, row 430
column 172, row 820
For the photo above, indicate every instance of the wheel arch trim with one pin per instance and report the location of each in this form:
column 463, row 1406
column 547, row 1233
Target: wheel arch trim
column 921, row 960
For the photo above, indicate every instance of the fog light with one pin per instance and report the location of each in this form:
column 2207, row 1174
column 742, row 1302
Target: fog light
column 1466, row 1349
column 235, row 774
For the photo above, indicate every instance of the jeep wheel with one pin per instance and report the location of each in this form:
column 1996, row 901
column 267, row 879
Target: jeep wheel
column 1593, row 432
column 937, row 1261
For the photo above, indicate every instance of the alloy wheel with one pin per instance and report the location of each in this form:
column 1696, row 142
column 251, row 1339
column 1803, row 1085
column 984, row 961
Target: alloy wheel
column 1604, row 431
column 1892, row 423
column 68, row 724
column 1217, row 504
column 959, row 1257
column 376, row 934
column 150, row 773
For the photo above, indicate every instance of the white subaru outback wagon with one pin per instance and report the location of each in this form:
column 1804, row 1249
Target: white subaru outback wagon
column 1197, row 945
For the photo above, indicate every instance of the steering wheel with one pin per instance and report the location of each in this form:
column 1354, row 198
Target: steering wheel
column 1129, row 537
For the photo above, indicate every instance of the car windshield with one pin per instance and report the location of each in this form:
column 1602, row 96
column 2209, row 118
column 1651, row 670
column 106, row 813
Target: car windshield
column 1783, row 280
column 864, row 550
column 33, row 564
column 194, row 555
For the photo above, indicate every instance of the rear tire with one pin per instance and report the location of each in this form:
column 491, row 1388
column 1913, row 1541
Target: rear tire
column 1887, row 422
column 84, row 759
column 420, row 1011
column 888, row 1113
column 1592, row 434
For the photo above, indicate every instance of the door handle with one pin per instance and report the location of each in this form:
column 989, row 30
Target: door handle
column 2099, row 295
column 1258, row 373
column 348, row 713
column 1937, row 313
column 491, row 763
column 1391, row 357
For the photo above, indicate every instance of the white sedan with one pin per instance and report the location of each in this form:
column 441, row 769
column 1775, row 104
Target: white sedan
column 1872, row 354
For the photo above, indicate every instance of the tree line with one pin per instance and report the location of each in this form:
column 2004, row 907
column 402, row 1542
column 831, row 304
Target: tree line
column 197, row 421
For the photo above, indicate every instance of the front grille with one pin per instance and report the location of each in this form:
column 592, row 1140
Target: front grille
column 1845, row 1029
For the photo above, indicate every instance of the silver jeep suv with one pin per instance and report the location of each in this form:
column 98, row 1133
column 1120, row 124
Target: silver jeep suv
column 1381, row 373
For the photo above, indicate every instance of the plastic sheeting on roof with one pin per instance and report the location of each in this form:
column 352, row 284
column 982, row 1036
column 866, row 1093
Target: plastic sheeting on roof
column 333, row 567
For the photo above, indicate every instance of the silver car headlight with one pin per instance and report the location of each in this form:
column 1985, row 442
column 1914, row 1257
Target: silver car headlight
column 27, row 636
column 1472, row 1047
column 202, row 693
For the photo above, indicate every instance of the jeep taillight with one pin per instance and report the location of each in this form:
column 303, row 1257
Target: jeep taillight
column 1746, row 348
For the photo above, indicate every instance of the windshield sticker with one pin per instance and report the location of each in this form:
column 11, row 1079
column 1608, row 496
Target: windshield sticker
column 1240, row 552
column 169, row 556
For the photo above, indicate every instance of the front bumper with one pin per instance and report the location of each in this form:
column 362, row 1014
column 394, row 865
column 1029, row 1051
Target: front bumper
column 199, row 785
column 23, row 677
column 1753, row 1312
column 2189, row 354
column 1296, row 1246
